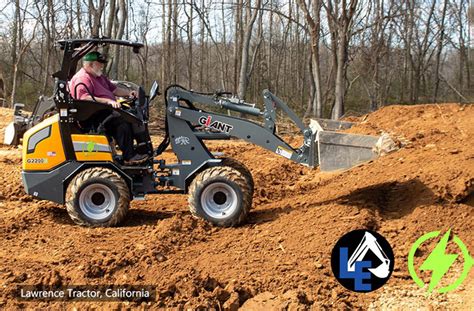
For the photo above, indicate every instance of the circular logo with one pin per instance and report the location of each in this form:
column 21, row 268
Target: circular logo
column 362, row 261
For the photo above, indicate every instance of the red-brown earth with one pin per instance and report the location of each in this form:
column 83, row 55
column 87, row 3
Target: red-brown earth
column 280, row 258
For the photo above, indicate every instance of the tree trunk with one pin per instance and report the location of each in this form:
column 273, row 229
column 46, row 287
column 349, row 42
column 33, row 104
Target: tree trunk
column 16, row 37
column 314, row 23
column 96, row 13
column 169, row 61
column 49, row 43
column 121, row 28
column 163, row 44
column 190, row 46
column 270, row 52
column 463, row 61
column 243, row 79
column 439, row 51
column 110, row 24
column 78, row 18
column 174, row 69
column 339, row 91
column 312, row 88
column 225, row 62
column 238, row 43
column 340, row 20
column 201, row 54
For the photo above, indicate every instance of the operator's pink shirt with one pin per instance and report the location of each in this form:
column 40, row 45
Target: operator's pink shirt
column 97, row 86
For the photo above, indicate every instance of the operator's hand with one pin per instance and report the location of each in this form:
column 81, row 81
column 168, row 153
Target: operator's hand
column 114, row 104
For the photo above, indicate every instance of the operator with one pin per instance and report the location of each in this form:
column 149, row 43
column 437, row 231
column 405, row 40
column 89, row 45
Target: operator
column 89, row 81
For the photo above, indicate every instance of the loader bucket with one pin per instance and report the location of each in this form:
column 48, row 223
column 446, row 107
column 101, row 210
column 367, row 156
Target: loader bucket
column 339, row 151
column 333, row 125
column 14, row 131
column 10, row 136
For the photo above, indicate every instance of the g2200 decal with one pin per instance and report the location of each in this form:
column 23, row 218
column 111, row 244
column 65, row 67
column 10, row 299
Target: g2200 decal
column 217, row 125
column 37, row 160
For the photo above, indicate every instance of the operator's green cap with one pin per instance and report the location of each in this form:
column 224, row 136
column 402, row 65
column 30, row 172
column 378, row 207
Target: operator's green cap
column 95, row 57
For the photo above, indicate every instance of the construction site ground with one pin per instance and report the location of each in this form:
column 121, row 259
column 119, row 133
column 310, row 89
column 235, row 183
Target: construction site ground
column 281, row 257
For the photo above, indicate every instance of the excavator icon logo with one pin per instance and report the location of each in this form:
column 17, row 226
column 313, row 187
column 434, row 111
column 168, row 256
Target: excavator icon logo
column 362, row 271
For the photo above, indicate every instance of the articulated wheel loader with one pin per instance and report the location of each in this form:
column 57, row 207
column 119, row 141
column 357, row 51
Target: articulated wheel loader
column 76, row 165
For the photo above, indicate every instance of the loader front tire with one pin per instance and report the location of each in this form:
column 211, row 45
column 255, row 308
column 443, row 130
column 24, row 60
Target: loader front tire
column 97, row 197
column 239, row 166
column 220, row 195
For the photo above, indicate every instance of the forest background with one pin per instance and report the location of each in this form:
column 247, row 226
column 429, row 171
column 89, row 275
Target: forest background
column 324, row 58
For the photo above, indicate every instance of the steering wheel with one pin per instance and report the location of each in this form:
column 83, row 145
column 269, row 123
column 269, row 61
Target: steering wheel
column 127, row 103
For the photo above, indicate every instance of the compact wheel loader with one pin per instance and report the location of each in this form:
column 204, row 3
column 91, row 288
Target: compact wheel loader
column 68, row 158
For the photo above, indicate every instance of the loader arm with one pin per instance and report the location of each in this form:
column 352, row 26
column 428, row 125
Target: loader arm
column 188, row 127
column 211, row 125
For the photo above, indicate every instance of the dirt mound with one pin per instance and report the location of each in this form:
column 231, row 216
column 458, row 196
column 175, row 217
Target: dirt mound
column 281, row 258
column 6, row 116
column 291, row 300
column 11, row 188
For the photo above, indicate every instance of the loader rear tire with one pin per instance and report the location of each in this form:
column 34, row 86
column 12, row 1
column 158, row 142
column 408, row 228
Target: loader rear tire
column 218, row 194
column 97, row 197
column 239, row 166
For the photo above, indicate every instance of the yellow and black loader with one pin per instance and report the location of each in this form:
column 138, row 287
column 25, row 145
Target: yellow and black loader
column 68, row 158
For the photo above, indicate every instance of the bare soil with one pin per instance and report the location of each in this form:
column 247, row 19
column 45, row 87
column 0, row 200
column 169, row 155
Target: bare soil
column 280, row 259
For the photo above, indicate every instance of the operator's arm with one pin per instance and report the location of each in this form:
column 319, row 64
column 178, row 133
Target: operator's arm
column 121, row 91
column 107, row 101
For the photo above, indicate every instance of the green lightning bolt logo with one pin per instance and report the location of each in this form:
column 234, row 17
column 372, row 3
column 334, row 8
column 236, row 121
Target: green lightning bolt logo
column 439, row 262
column 90, row 146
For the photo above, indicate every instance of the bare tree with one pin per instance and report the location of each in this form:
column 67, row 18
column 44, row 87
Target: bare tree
column 120, row 28
column 22, row 48
column 110, row 25
column 189, row 31
column 439, row 50
column 164, row 42
column 320, row 56
column 16, row 37
column 206, row 25
column 244, row 75
column 340, row 16
column 314, row 23
column 95, row 14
